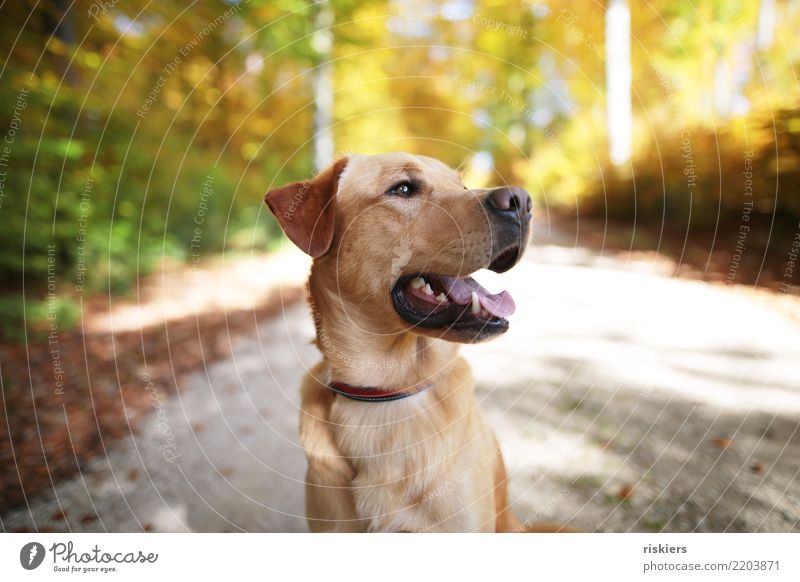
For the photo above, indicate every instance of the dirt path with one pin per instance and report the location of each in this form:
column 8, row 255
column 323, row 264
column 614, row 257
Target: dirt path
column 624, row 400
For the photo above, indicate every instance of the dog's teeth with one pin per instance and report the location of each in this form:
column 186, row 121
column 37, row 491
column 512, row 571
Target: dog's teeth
column 476, row 304
column 441, row 297
column 417, row 283
column 427, row 289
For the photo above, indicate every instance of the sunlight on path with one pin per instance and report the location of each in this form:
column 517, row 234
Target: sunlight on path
column 226, row 284
column 629, row 400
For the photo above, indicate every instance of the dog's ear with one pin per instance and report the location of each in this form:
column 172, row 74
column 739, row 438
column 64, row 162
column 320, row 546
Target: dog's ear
column 305, row 210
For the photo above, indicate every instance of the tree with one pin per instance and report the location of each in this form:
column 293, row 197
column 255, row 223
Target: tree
column 618, row 80
column 324, row 147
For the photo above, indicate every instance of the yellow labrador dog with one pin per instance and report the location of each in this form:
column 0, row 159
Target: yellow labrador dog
column 391, row 428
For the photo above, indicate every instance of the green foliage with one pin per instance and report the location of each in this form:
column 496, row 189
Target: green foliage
column 117, row 135
column 36, row 316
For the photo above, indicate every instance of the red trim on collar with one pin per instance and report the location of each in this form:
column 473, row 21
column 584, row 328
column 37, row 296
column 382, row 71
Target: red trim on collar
column 370, row 394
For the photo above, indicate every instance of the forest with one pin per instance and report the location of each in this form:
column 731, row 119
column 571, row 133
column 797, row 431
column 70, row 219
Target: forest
column 142, row 135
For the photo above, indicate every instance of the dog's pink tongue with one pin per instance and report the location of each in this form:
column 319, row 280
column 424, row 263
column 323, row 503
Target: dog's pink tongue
column 460, row 291
column 500, row 305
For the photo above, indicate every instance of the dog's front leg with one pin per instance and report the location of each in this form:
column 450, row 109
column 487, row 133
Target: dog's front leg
column 330, row 506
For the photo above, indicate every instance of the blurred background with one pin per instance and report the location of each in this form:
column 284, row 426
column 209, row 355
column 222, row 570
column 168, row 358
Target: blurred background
column 139, row 269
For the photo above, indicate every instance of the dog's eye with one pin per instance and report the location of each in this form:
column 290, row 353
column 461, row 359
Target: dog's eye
column 405, row 189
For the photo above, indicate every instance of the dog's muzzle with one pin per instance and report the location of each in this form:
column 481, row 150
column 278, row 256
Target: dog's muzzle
column 459, row 307
column 509, row 211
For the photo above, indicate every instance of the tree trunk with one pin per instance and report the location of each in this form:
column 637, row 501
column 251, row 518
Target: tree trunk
column 322, row 82
column 618, row 80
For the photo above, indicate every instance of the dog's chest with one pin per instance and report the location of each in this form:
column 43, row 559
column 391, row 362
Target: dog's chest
column 416, row 471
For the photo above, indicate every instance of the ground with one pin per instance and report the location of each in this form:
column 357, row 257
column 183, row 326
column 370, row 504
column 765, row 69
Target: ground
column 624, row 400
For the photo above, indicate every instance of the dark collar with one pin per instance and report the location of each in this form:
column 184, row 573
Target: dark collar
column 370, row 394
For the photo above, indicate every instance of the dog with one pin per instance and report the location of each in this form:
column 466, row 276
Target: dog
column 392, row 431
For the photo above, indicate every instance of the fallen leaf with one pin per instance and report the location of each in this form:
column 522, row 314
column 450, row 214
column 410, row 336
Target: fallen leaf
column 723, row 443
column 626, row 492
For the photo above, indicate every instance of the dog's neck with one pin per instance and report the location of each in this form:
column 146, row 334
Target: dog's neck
column 356, row 352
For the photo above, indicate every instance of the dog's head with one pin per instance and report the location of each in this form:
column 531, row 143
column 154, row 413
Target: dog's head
column 397, row 236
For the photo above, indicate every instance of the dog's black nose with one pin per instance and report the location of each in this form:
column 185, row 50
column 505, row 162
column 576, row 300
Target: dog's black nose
column 511, row 201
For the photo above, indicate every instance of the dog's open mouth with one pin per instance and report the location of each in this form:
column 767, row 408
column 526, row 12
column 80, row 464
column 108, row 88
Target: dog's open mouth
column 435, row 301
